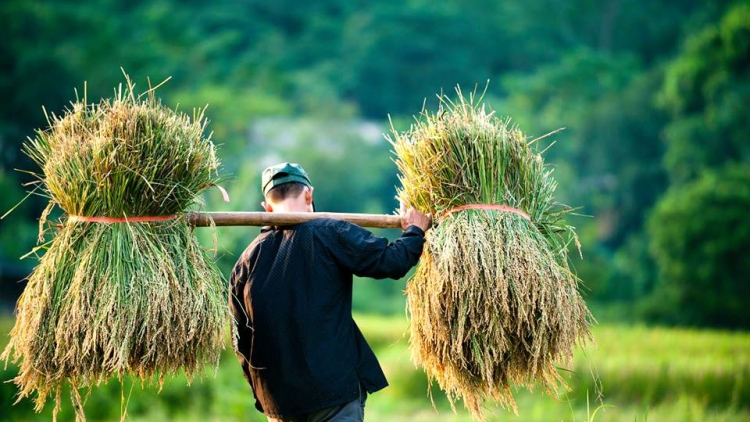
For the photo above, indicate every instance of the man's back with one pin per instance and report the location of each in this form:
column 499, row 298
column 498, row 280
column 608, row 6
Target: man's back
column 291, row 294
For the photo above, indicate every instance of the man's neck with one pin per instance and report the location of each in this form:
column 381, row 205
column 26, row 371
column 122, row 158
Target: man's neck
column 289, row 207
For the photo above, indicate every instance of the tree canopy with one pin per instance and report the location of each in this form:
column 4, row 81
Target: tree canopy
column 652, row 97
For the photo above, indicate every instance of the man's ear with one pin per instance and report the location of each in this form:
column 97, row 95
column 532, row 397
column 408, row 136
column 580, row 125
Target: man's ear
column 308, row 196
column 267, row 206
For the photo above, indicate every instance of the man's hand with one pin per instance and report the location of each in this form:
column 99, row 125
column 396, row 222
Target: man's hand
column 412, row 217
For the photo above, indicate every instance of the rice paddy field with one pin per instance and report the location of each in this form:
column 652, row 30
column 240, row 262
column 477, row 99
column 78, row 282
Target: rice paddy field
column 642, row 373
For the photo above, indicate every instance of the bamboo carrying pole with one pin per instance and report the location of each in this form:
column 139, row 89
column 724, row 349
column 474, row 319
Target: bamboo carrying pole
column 203, row 219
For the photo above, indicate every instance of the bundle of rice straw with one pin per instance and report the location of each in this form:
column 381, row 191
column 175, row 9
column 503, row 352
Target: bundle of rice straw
column 124, row 286
column 493, row 303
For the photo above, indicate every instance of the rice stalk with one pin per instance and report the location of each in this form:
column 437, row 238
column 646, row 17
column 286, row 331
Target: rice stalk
column 111, row 299
column 493, row 304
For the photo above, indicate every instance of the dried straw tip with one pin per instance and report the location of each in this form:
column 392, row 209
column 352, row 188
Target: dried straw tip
column 115, row 293
column 493, row 303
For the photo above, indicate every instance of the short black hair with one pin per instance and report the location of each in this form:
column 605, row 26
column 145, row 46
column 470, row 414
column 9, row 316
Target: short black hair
column 284, row 191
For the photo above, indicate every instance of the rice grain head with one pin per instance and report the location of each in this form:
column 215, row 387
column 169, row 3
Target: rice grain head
column 493, row 304
column 110, row 299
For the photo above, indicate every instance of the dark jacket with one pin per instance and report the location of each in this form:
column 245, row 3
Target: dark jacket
column 291, row 297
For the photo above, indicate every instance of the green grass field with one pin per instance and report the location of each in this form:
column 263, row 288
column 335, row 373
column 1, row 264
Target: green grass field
column 644, row 374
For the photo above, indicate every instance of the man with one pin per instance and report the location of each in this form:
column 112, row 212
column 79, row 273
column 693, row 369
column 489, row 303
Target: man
column 291, row 297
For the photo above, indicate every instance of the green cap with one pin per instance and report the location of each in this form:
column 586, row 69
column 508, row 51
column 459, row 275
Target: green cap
column 283, row 173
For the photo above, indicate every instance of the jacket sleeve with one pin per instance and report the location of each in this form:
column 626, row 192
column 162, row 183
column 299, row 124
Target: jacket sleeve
column 241, row 329
column 367, row 255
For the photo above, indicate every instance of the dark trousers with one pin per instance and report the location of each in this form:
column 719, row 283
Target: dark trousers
column 353, row 411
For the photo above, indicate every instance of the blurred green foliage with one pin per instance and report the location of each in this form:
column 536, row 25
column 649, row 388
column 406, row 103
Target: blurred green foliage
column 706, row 91
column 699, row 231
column 652, row 95
column 700, row 238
